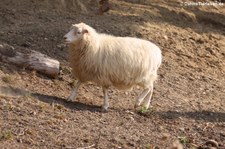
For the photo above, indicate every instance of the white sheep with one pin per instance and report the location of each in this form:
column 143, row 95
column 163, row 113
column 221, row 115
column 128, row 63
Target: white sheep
column 107, row 60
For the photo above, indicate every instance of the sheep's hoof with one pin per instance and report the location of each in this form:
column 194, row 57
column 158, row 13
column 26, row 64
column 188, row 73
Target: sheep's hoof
column 69, row 99
column 104, row 109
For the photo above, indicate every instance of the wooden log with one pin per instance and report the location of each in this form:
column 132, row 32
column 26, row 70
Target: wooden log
column 32, row 60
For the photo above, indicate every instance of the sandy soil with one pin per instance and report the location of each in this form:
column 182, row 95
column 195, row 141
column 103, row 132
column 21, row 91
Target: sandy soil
column 189, row 96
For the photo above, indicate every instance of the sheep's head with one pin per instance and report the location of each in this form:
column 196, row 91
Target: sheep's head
column 76, row 33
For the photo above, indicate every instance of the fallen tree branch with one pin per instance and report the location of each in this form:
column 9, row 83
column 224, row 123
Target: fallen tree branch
column 32, row 60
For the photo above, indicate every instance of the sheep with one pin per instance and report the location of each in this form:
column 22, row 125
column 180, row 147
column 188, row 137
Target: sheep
column 108, row 61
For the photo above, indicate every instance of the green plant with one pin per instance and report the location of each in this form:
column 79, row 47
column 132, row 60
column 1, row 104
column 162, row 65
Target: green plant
column 143, row 110
column 5, row 135
column 8, row 79
column 183, row 140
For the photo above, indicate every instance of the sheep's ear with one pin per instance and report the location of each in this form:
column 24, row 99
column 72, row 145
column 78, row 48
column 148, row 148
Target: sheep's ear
column 84, row 31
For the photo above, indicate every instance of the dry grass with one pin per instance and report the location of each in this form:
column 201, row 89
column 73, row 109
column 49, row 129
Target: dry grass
column 5, row 135
column 8, row 79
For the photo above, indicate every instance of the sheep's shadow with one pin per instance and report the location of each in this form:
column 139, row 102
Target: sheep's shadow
column 208, row 116
column 10, row 91
column 77, row 106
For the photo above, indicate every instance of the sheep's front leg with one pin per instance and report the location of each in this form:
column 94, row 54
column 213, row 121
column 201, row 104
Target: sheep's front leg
column 141, row 97
column 106, row 99
column 74, row 92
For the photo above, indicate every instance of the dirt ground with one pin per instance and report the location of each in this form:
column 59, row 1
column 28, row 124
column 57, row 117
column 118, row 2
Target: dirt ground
column 189, row 97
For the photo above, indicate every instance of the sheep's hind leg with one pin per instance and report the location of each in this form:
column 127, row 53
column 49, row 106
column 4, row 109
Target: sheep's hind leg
column 147, row 100
column 141, row 97
column 73, row 95
column 106, row 100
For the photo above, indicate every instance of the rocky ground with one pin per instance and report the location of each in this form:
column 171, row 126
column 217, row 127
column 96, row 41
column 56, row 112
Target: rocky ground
column 188, row 106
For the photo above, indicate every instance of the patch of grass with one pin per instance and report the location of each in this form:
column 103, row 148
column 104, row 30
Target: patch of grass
column 183, row 140
column 8, row 79
column 5, row 135
column 143, row 110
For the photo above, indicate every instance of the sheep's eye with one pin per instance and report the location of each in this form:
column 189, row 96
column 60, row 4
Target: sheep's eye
column 78, row 32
